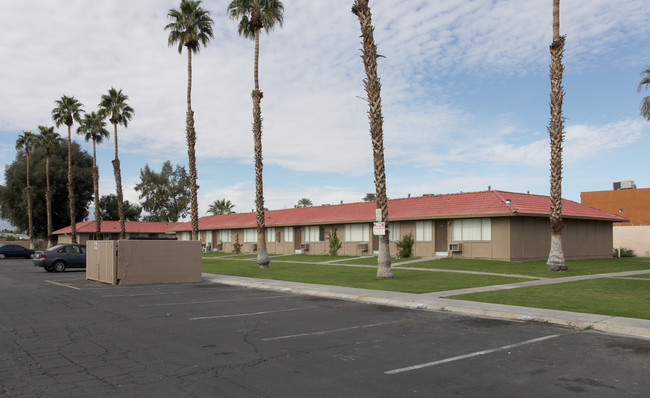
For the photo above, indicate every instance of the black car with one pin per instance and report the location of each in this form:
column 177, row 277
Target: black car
column 9, row 250
column 58, row 258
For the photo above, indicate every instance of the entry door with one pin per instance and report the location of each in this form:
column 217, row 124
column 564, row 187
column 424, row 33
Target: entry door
column 297, row 238
column 441, row 235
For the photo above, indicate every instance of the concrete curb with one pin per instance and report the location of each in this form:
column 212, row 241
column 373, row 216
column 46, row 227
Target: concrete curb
column 630, row 327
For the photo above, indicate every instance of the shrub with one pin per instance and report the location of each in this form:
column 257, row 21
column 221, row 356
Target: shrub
column 335, row 243
column 236, row 247
column 624, row 252
column 405, row 246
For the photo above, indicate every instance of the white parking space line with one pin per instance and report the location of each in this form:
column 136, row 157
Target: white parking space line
column 140, row 294
column 327, row 331
column 471, row 355
column 212, row 301
column 249, row 314
column 63, row 284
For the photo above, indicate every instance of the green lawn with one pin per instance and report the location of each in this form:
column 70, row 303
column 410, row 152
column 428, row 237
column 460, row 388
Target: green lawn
column 404, row 280
column 615, row 297
column 372, row 260
column 538, row 268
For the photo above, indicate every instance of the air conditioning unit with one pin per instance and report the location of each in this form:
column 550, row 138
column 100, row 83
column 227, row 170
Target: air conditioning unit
column 455, row 247
column 254, row 247
column 304, row 246
column 363, row 247
column 624, row 185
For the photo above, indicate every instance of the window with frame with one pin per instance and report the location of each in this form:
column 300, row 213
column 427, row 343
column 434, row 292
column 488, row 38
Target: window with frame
column 393, row 231
column 288, row 234
column 270, row 234
column 315, row 233
column 356, row 232
column 250, row 235
column 224, row 235
column 472, row 229
column 423, row 231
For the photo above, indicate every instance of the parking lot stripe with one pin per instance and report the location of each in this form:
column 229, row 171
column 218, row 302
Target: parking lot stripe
column 140, row 294
column 212, row 301
column 327, row 331
column 249, row 314
column 63, row 284
column 474, row 354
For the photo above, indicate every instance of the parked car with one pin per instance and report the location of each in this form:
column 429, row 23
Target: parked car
column 58, row 258
column 9, row 250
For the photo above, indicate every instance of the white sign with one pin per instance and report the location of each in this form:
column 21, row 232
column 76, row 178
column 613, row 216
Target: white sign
column 378, row 214
column 379, row 228
column 95, row 245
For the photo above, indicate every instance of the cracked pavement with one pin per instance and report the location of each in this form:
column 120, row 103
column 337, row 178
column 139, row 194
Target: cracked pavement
column 62, row 336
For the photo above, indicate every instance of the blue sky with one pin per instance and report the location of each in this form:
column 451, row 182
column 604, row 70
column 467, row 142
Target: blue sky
column 464, row 85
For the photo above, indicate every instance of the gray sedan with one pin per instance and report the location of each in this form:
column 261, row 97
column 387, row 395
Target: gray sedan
column 58, row 258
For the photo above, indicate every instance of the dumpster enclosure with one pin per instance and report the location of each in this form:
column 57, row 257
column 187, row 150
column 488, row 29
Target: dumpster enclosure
column 133, row 262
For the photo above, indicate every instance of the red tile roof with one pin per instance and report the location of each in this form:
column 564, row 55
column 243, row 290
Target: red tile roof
column 131, row 227
column 459, row 205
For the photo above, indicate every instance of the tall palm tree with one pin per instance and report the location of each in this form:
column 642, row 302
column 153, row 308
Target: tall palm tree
column 221, row 206
column 48, row 139
column 645, row 103
column 113, row 106
column 67, row 110
column 191, row 27
column 26, row 141
column 373, row 90
column 93, row 128
column 253, row 15
column 556, row 132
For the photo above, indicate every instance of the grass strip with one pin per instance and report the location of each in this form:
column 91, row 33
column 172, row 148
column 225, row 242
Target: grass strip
column 539, row 268
column 406, row 281
column 603, row 296
column 372, row 260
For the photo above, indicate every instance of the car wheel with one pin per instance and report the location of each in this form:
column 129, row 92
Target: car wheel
column 2, row 256
column 59, row 266
column 48, row 268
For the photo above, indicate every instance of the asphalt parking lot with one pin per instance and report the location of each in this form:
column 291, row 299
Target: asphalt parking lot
column 63, row 336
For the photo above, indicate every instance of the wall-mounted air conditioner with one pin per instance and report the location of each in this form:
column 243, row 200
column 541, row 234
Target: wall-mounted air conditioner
column 304, row 246
column 455, row 247
column 363, row 247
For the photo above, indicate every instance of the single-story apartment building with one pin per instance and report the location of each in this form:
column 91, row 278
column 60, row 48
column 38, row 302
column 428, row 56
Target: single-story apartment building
column 489, row 224
column 111, row 231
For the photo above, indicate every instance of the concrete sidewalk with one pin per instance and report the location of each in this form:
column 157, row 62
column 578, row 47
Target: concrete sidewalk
column 434, row 302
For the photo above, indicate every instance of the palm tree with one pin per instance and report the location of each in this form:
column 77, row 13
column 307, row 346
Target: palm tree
column 304, row 202
column 48, row 139
column 253, row 15
column 370, row 197
column 93, row 128
column 26, row 141
column 191, row 27
column 113, row 105
column 556, row 132
column 67, row 110
column 373, row 90
column 220, row 207
column 645, row 103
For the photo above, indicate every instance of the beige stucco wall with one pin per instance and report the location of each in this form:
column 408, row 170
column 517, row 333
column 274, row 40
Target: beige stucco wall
column 636, row 238
column 152, row 261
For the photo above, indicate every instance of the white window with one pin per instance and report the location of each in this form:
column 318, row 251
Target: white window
column 288, row 234
column 270, row 234
column 224, row 236
column 472, row 229
column 250, row 235
column 393, row 231
column 208, row 237
column 179, row 235
column 423, row 231
column 314, row 234
column 356, row 232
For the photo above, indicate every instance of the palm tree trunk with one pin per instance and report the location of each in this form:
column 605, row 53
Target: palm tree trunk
column 118, row 186
column 28, row 192
column 556, row 132
column 98, row 221
column 48, row 199
column 191, row 153
column 262, row 255
column 73, row 216
column 373, row 89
